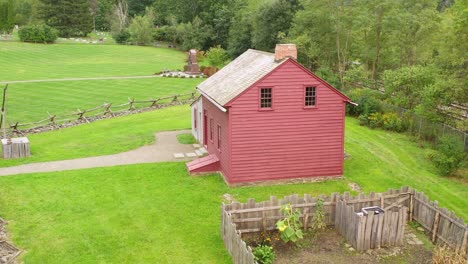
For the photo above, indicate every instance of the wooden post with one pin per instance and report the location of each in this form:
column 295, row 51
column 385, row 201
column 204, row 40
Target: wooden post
column 435, row 227
column 411, row 207
column 3, row 123
column 465, row 241
column 381, row 201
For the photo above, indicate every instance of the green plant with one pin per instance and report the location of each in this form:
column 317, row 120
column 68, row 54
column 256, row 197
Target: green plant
column 318, row 220
column 121, row 37
column 37, row 34
column 264, row 254
column 392, row 121
column 449, row 156
column 290, row 226
column 375, row 120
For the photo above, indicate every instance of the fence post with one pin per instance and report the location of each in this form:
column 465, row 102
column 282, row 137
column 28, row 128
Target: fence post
column 435, row 228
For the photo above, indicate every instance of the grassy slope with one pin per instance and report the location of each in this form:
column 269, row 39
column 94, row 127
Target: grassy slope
column 142, row 213
column 31, row 101
column 104, row 137
column 24, row 61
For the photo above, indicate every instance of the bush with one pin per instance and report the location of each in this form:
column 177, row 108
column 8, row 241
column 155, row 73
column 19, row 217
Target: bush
column 375, row 120
column 208, row 71
column 368, row 102
column 290, row 227
column 449, row 156
column 393, row 122
column 121, row 37
column 37, row 34
column 264, row 254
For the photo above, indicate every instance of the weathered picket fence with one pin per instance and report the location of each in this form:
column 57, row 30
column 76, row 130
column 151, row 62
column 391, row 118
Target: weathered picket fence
column 442, row 224
column 240, row 252
column 371, row 231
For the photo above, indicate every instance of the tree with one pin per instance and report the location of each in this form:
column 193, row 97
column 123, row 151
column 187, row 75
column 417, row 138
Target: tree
column 141, row 29
column 270, row 23
column 7, row 16
column 69, row 17
column 119, row 16
column 217, row 56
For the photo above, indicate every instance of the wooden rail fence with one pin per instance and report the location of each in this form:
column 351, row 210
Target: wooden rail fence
column 105, row 110
column 442, row 225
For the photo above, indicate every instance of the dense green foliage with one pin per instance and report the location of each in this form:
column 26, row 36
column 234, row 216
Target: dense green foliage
column 69, row 17
column 449, row 155
column 290, row 227
column 37, row 34
column 7, row 16
column 264, row 254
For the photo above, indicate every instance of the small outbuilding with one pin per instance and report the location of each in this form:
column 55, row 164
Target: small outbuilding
column 265, row 117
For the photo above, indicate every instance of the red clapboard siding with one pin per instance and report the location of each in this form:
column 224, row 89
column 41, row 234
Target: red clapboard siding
column 290, row 141
column 222, row 119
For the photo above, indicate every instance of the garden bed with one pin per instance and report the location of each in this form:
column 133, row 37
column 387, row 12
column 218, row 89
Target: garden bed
column 330, row 247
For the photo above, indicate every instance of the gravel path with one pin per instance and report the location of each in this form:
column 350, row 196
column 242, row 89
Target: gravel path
column 163, row 150
column 83, row 79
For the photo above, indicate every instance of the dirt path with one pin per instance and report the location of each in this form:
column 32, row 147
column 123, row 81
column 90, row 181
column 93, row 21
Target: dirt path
column 163, row 150
column 83, row 79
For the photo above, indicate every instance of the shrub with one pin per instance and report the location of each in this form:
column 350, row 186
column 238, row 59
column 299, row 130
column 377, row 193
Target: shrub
column 37, row 34
column 208, row 71
column 121, row 37
column 445, row 255
column 449, row 156
column 290, row 226
column 375, row 120
column 392, row 121
column 368, row 102
column 264, row 254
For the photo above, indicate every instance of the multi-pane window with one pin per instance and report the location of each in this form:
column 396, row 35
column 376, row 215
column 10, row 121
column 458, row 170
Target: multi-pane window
column 310, row 96
column 219, row 137
column 266, row 98
column 211, row 129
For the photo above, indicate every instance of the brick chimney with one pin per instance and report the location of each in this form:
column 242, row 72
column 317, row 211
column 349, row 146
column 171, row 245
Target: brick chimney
column 283, row 51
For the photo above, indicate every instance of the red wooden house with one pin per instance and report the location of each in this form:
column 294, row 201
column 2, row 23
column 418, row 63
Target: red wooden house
column 265, row 117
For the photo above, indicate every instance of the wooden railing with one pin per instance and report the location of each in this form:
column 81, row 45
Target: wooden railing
column 106, row 110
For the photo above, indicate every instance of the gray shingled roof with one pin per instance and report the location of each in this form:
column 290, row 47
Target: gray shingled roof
column 238, row 75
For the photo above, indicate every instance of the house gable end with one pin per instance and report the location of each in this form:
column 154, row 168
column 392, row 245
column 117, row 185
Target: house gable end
column 279, row 68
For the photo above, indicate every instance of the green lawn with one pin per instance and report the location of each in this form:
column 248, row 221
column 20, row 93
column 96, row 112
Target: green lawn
column 29, row 102
column 24, row 61
column 145, row 213
column 104, row 137
column 186, row 139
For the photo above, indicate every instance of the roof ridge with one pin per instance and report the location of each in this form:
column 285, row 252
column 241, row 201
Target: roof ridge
column 262, row 52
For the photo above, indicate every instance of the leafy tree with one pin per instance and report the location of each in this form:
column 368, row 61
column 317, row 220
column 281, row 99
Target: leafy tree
column 194, row 35
column 405, row 86
column 271, row 23
column 141, row 29
column 239, row 38
column 7, row 16
column 119, row 16
column 69, row 17
column 217, row 56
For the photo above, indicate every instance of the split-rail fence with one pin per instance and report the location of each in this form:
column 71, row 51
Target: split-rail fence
column 106, row 110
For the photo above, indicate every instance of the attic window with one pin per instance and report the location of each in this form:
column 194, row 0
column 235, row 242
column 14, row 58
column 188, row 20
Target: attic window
column 266, row 99
column 310, row 98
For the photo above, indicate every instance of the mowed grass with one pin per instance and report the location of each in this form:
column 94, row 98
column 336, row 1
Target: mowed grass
column 30, row 102
column 104, row 137
column 151, row 213
column 25, row 61
column 146, row 213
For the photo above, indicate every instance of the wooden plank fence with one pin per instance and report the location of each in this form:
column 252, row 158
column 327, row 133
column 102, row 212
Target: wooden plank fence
column 371, row 231
column 105, row 110
column 240, row 252
column 442, row 224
